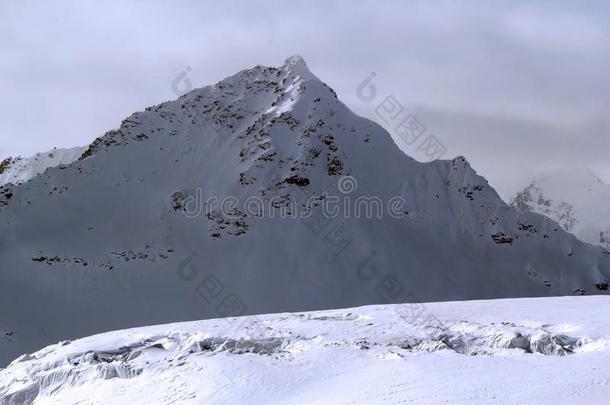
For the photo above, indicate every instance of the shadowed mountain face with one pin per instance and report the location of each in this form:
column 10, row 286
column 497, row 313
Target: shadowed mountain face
column 262, row 193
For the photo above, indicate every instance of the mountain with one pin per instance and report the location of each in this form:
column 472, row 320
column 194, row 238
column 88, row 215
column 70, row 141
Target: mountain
column 19, row 170
column 259, row 194
column 577, row 199
column 530, row 350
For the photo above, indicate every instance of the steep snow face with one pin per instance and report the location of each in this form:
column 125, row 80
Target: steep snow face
column 576, row 199
column 543, row 351
column 262, row 193
column 19, row 170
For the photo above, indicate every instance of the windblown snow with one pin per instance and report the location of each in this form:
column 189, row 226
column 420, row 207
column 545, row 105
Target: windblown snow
column 512, row 351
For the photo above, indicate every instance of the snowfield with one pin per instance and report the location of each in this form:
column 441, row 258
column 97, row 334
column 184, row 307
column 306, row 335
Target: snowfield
column 509, row 351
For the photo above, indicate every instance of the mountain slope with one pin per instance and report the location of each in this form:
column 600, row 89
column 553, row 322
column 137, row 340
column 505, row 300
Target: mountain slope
column 140, row 230
column 19, row 170
column 575, row 198
column 543, row 351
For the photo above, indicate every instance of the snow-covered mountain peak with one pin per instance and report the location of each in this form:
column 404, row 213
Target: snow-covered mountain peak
column 574, row 197
column 297, row 65
column 267, row 112
column 144, row 227
column 295, row 60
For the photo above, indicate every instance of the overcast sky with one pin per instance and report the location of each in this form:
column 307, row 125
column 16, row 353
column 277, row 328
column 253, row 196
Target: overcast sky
column 516, row 87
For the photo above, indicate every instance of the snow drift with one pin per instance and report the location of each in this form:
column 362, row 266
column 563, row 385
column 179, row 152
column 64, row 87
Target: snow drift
column 544, row 351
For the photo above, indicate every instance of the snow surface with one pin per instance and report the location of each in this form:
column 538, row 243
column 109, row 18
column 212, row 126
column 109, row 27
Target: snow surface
column 511, row 351
column 19, row 170
column 103, row 243
column 576, row 198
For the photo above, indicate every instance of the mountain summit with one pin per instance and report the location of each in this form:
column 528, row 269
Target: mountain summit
column 262, row 193
column 576, row 198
